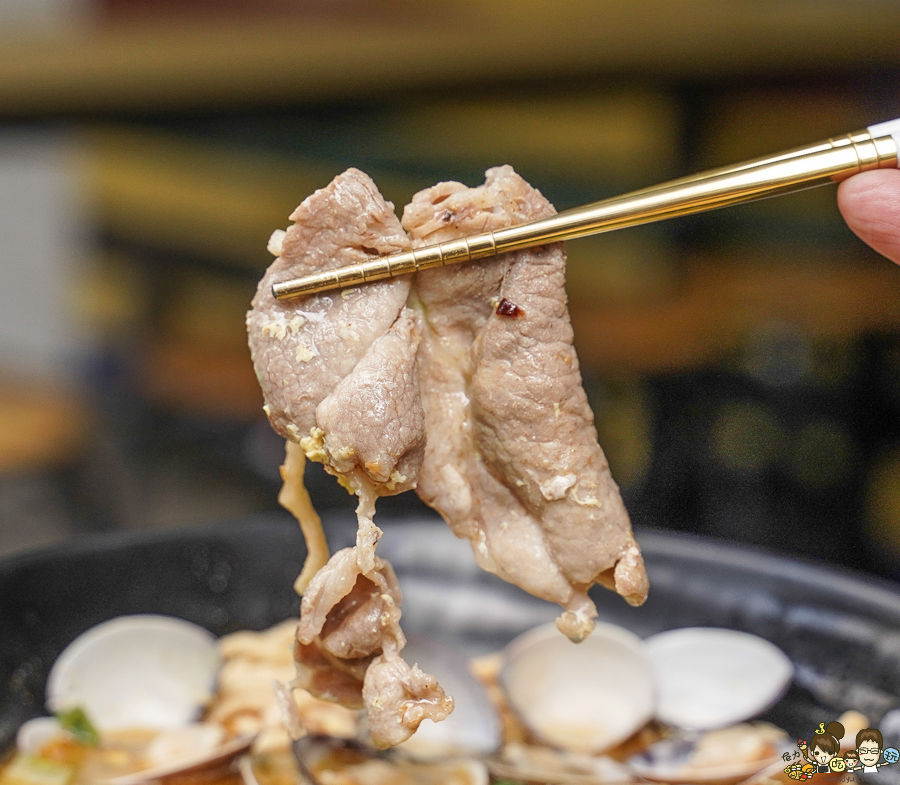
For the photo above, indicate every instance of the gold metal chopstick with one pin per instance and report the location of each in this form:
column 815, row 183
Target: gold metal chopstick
column 832, row 160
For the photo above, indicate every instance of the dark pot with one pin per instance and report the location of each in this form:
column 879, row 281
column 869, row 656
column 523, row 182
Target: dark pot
column 841, row 630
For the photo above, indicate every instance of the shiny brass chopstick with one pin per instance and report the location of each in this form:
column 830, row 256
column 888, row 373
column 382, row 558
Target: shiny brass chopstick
column 832, row 160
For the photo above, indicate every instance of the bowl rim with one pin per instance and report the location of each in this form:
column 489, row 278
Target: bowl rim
column 657, row 545
column 813, row 574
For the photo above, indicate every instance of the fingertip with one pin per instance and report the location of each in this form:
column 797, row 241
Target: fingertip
column 859, row 195
column 870, row 204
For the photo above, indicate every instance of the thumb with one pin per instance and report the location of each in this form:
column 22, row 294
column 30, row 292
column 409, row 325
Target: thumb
column 870, row 204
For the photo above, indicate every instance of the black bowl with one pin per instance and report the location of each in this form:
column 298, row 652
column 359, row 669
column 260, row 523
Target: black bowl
column 842, row 631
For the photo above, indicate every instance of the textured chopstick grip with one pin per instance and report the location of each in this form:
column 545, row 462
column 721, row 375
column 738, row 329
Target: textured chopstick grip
column 793, row 170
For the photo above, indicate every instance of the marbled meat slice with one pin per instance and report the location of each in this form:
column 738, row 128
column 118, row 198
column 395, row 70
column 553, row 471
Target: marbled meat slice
column 339, row 377
column 512, row 460
column 373, row 419
column 356, row 346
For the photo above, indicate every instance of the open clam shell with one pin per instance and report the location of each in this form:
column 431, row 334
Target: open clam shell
column 523, row 763
column 139, row 671
column 727, row 755
column 37, row 733
column 582, row 697
column 711, row 678
column 207, row 755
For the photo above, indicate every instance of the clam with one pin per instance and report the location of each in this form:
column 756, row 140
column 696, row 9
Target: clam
column 153, row 672
column 711, row 678
column 725, row 755
column 35, row 734
column 521, row 762
column 581, row 697
column 191, row 750
column 147, row 673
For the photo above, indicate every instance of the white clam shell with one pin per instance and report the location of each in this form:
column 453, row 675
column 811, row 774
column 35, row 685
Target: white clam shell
column 582, row 697
column 37, row 733
column 474, row 727
column 727, row 755
column 712, row 678
column 204, row 759
column 520, row 762
column 180, row 746
column 140, row 671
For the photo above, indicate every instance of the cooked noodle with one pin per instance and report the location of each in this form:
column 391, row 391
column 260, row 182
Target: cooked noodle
column 295, row 499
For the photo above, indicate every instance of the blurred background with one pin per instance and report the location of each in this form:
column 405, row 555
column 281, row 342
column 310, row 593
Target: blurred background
column 743, row 366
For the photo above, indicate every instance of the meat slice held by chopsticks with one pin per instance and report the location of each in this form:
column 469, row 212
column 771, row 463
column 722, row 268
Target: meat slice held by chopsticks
column 462, row 383
column 339, row 369
column 512, row 460
column 339, row 375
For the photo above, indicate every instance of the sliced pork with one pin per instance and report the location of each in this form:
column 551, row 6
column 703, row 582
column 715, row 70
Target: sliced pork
column 339, row 369
column 465, row 386
column 512, row 460
column 340, row 378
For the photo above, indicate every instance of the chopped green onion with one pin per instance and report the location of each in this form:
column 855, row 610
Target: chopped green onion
column 76, row 722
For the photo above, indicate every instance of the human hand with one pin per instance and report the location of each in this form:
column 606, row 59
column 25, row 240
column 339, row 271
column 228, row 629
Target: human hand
column 870, row 204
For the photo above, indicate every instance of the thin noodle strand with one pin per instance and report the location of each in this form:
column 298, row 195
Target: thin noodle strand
column 295, row 499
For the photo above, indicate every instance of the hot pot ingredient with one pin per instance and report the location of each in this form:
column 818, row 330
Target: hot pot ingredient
column 444, row 383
